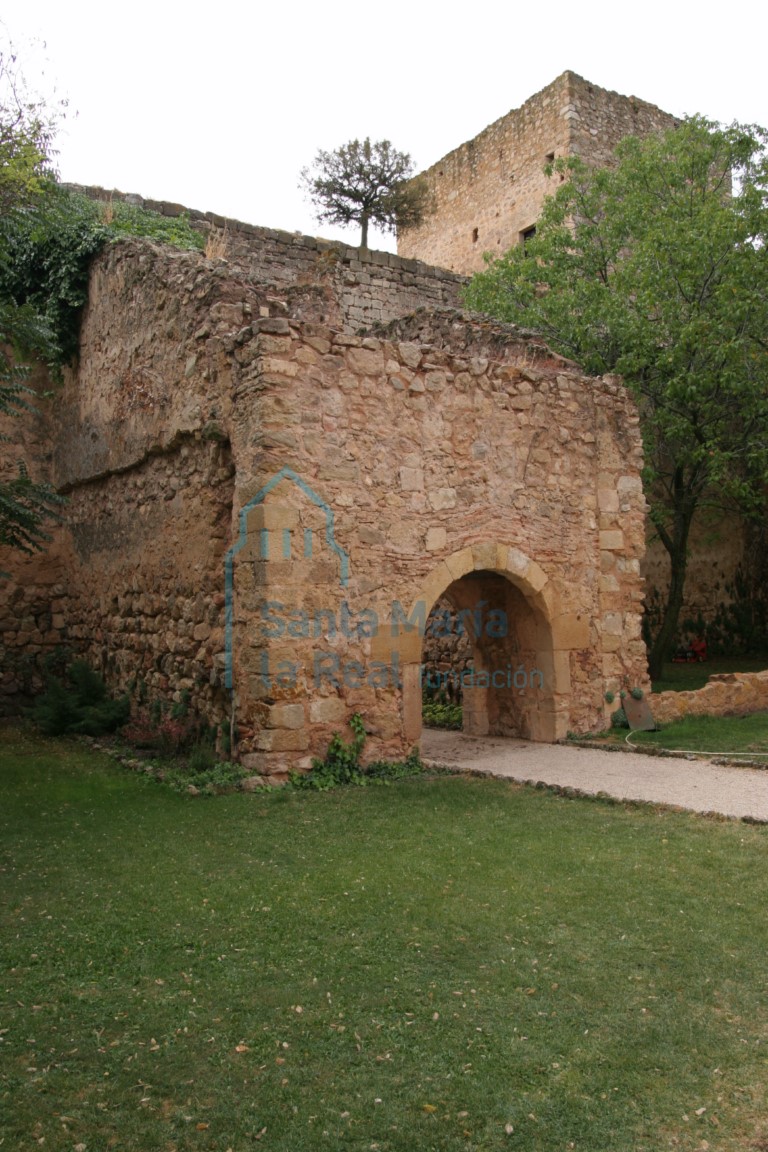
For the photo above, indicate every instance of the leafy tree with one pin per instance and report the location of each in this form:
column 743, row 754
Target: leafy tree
column 658, row 269
column 50, row 252
column 48, row 237
column 26, row 139
column 364, row 183
column 26, row 178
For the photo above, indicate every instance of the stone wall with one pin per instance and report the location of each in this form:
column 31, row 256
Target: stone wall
column 725, row 694
column 490, row 190
column 457, row 457
column 133, row 584
column 135, row 440
column 358, row 287
column 447, row 653
column 718, row 547
column 258, row 499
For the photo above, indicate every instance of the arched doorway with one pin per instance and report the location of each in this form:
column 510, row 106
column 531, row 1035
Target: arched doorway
column 517, row 684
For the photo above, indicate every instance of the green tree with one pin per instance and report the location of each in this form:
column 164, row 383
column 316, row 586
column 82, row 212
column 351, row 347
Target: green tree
column 26, row 180
column 658, row 269
column 364, row 183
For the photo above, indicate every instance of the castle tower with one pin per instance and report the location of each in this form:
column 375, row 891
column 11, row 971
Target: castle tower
column 489, row 191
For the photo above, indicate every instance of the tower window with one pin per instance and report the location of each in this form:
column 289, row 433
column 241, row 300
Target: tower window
column 527, row 235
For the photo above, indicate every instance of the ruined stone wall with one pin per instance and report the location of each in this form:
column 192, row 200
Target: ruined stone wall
column 136, row 440
column 450, row 453
column 133, row 584
column 724, row 694
column 446, row 654
column 359, row 287
column 255, row 494
column 490, row 190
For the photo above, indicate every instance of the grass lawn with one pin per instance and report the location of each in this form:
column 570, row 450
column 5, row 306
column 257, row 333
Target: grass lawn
column 687, row 677
column 444, row 964
column 742, row 734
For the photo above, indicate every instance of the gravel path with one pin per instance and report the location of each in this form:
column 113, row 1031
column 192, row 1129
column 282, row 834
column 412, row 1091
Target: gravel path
column 698, row 785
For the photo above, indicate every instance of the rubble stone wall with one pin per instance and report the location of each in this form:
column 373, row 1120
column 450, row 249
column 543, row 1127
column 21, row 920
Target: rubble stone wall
column 454, row 455
column 258, row 500
column 491, row 189
column 359, row 287
column 725, row 694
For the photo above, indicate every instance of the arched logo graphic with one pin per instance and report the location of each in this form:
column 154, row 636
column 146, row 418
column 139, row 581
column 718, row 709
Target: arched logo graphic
column 267, row 548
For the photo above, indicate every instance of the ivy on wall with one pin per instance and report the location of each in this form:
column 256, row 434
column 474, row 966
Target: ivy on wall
column 49, row 250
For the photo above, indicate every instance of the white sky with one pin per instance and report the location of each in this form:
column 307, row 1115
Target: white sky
column 219, row 106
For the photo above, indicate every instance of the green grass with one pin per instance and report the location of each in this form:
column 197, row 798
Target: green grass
column 406, row 968
column 712, row 734
column 690, row 676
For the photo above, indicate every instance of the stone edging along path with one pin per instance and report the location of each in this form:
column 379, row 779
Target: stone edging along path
column 703, row 786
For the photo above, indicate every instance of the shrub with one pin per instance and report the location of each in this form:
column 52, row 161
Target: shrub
column 202, row 757
column 439, row 715
column 166, row 735
column 80, row 704
column 49, row 253
column 619, row 719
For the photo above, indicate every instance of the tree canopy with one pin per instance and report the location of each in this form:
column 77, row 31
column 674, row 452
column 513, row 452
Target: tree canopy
column 658, row 269
column 364, row 183
column 26, row 178
column 48, row 237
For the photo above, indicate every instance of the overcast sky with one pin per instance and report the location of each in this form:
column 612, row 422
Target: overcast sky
column 219, row 106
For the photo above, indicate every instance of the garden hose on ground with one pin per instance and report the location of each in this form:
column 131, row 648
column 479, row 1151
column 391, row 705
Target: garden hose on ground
column 689, row 751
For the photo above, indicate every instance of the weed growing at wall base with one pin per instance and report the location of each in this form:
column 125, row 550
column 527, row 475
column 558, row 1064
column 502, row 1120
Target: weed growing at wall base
column 341, row 764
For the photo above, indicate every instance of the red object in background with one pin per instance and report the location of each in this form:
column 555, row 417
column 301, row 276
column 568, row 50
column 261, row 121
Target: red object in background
column 699, row 649
column 696, row 651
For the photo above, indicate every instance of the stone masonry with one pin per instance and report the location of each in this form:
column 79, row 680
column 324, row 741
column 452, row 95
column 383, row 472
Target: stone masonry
column 349, row 288
column 489, row 191
column 263, row 508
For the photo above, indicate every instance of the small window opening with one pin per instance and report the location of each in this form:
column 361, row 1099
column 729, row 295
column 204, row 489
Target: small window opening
column 527, row 235
column 475, row 235
column 550, row 157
